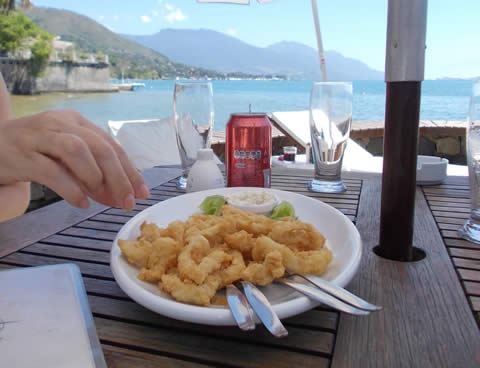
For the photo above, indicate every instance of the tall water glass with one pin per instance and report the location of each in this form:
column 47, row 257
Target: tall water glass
column 471, row 229
column 193, row 117
column 330, row 123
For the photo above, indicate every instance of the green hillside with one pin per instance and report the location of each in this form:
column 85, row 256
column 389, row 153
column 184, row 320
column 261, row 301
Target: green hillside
column 89, row 36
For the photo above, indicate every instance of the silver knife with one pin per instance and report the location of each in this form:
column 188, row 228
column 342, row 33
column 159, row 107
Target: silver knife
column 264, row 310
column 240, row 308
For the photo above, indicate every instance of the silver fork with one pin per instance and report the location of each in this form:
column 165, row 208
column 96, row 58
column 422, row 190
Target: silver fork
column 339, row 292
column 330, row 294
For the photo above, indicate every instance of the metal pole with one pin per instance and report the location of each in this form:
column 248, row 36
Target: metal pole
column 404, row 72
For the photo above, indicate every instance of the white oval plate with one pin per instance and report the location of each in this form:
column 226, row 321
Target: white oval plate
column 342, row 238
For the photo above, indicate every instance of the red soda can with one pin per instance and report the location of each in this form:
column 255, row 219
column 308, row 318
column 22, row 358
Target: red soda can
column 249, row 150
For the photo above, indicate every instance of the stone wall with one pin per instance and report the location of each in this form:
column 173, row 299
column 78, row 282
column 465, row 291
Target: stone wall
column 439, row 138
column 59, row 76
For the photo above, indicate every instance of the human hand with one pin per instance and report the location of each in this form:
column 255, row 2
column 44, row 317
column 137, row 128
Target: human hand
column 67, row 153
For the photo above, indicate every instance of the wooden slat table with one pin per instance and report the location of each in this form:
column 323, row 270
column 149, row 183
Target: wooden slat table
column 427, row 320
column 450, row 205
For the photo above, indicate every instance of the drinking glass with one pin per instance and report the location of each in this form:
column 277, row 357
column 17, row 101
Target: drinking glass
column 330, row 122
column 193, row 118
column 471, row 229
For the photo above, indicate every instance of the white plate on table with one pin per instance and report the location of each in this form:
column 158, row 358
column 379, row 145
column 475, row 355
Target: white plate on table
column 342, row 238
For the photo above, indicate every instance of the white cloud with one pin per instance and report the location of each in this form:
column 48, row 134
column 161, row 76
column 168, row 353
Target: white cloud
column 169, row 7
column 155, row 13
column 159, row 1
column 110, row 28
column 145, row 19
column 231, row 32
column 101, row 17
column 176, row 16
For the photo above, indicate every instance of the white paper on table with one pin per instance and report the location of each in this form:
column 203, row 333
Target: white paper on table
column 45, row 320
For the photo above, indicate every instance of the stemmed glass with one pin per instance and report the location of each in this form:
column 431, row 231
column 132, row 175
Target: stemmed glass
column 330, row 122
column 193, row 118
column 471, row 229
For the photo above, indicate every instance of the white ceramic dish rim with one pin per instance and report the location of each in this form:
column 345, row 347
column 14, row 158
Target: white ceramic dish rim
column 139, row 291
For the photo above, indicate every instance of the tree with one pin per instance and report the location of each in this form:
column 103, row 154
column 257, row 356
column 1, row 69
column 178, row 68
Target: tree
column 8, row 6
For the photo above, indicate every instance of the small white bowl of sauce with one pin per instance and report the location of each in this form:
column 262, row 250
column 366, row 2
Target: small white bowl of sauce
column 259, row 202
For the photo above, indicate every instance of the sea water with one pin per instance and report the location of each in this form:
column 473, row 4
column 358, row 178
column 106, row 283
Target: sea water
column 441, row 100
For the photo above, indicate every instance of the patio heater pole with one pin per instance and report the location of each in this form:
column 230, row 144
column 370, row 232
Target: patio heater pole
column 404, row 72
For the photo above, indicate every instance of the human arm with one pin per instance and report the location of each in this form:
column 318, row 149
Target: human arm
column 14, row 197
column 67, row 153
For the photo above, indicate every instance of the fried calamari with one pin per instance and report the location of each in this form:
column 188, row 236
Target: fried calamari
column 192, row 260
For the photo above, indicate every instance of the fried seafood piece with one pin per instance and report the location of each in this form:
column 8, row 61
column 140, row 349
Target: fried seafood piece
column 163, row 256
column 242, row 241
column 312, row 261
column 263, row 273
column 231, row 272
column 176, row 230
column 187, row 291
column 136, row 252
column 197, row 260
column 297, row 235
column 211, row 227
column 150, row 232
column 252, row 223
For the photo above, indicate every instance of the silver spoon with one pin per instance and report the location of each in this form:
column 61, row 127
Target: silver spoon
column 264, row 310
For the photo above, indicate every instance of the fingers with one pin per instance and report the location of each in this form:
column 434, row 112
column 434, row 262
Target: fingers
column 97, row 162
column 49, row 173
column 138, row 184
column 75, row 154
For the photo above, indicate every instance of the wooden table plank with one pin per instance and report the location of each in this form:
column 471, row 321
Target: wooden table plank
column 117, row 357
column 416, row 323
column 311, row 341
column 215, row 351
column 84, row 243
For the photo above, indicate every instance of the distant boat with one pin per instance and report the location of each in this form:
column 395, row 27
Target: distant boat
column 129, row 86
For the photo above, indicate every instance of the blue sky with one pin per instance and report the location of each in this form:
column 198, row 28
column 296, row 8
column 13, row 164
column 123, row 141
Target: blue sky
column 354, row 28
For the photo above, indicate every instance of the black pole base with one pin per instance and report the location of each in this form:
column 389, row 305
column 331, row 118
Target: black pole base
column 416, row 255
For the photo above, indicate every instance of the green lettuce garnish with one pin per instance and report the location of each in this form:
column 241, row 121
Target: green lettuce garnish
column 284, row 209
column 212, row 205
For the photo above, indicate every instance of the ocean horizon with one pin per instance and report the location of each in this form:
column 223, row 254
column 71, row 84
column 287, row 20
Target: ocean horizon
column 441, row 100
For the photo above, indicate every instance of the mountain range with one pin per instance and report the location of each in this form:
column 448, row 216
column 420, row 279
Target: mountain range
column 217, row 51
column 90, row 36
column 189, row 53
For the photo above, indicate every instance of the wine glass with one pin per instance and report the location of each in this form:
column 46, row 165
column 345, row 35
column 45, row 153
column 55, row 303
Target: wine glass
column 193, row 118
column 471, row 229
column 330, row 122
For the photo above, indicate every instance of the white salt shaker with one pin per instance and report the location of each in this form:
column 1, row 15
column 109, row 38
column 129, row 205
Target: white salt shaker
column 204, row 173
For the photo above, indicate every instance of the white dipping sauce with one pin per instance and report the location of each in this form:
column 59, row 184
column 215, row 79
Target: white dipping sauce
column 251, row 198
column 259, row 202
